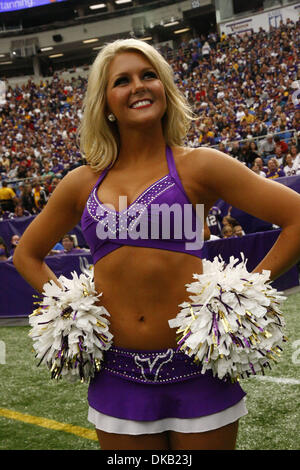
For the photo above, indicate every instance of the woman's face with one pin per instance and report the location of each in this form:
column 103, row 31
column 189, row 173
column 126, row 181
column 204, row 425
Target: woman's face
column 135, row 94
column 15, row 240
column 289, row 159
column 225, row 220
column 293, row 150
column 227, row 231
column 272, row 165
column 67, row 244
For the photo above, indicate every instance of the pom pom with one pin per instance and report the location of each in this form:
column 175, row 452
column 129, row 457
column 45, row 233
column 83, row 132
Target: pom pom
column 233, row 324
column 69, row 330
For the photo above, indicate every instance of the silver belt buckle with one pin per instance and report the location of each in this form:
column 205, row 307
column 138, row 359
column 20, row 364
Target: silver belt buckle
column 154, row 365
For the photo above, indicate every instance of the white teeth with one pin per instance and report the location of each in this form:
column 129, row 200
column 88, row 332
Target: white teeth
column 139, row 104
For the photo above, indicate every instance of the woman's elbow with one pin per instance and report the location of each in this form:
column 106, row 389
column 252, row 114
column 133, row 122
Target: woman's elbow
column 17, row 258
column 21, row 258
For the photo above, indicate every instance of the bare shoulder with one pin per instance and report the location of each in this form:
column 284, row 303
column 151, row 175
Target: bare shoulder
column 202, row 157
column 214, row 175
column 207, row 165
column 77, row 184
column 83, row 173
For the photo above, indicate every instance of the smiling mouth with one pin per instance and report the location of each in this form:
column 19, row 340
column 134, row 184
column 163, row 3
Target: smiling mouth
column 141, row 104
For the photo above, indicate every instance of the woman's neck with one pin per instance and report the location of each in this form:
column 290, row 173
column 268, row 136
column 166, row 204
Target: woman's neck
column 141, row 148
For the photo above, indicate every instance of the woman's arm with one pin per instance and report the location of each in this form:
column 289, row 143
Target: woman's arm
column 206, row 231
column 62, row 212
column 226, row 178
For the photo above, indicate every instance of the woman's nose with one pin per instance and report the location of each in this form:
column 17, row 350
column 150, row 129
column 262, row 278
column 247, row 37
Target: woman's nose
column 137, row 84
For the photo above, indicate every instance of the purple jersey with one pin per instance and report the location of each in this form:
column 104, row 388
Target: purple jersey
column 213, row 220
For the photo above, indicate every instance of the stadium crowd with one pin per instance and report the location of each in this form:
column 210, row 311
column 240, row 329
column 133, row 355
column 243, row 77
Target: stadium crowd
column 242, row 89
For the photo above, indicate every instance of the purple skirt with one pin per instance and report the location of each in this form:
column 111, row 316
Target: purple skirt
column 152, row 385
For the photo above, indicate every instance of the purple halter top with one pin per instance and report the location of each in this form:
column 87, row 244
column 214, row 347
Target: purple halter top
column 161, row 217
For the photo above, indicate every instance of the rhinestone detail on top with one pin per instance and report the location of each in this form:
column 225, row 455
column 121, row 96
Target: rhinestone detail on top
column 134, row 212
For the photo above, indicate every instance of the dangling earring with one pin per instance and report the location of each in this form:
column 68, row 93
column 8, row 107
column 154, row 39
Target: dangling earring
column 111, row 117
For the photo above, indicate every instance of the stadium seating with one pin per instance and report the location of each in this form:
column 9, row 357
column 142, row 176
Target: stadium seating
column 241, row 91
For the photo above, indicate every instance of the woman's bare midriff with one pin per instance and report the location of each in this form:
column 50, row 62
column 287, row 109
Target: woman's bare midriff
column 142, row 289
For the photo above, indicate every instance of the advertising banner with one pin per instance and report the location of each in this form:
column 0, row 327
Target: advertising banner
column 262, row 20
column 7, row 6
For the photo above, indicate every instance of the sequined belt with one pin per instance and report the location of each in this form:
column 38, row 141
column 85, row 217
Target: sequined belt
column 155, row 367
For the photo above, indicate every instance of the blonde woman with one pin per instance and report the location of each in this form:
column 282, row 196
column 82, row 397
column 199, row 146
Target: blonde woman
column 147, row 394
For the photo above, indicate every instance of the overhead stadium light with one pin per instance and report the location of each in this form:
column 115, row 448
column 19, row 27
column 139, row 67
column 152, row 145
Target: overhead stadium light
column 184, row 30
column 6, row 63
column 96, row 7
column 53, row 56
column 171, row 23
column 44, row 49
column 120, row 2
column 88, row 41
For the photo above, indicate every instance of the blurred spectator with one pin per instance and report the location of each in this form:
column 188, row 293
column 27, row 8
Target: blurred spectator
column 228, row 220
column 235, row 151
column 27, row 199
column 289, row 167
column 22, row 169
column 267, row 148
column 13, row 243
column 249, row 153
column 279, row 155
column 206, row 50
column 295, row 156
column 18, row 212
column 227, row 231
column 7, row 198
column 280, row 143
column 253, row 153
column 69, row 245
column 258, row 171
column 213, row 220
column 273, row 169
column 258, row 161
column 13, row 171
column 39, row 196
column 238, row 231
column 57, row 168
column 248, row 117
column 46, row 171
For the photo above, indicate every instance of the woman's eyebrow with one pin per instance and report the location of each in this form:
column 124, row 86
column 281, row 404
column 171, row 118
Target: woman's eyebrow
column 125, row 73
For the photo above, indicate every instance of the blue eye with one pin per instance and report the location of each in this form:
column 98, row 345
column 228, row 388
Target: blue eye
column 121, row 81
column 150, row 74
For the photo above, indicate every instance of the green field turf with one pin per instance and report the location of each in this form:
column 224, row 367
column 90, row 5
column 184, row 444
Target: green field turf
column 272, row 422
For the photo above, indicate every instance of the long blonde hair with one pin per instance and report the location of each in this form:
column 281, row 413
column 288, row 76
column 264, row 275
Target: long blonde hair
column 99, row 138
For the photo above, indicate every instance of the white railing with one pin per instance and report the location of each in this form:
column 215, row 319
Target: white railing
column 258, row 140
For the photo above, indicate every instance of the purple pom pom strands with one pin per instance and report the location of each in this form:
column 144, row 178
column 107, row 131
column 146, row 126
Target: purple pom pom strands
column 69, row 330
column 233, row 324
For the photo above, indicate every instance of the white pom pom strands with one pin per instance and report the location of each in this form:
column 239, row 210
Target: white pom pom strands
column 233, row 325
column 69, row 330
